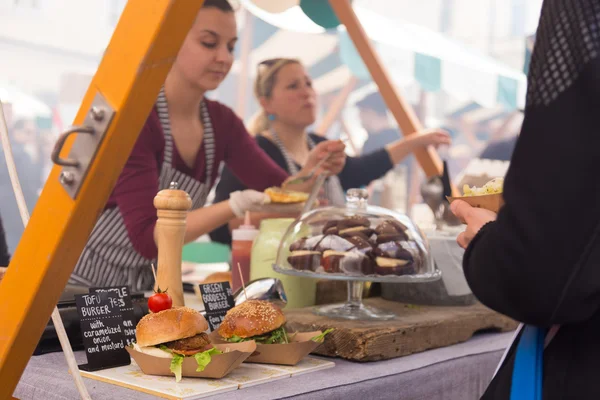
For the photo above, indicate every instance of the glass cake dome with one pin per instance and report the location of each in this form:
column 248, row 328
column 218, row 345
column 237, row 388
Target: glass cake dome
column 357, row 243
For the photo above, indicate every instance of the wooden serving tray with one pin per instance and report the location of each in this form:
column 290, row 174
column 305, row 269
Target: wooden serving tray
column 417, row 328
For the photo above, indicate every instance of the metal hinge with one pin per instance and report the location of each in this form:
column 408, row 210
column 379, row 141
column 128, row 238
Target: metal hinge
column 85, row 146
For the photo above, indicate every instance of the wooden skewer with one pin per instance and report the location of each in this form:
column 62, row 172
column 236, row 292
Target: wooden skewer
column 242, row 280
column 153, row 271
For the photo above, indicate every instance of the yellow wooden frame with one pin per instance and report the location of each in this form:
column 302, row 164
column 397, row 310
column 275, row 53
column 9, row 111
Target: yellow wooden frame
column 135, row 64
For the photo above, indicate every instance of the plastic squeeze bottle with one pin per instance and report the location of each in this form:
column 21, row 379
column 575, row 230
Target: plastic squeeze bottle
column 241, row 249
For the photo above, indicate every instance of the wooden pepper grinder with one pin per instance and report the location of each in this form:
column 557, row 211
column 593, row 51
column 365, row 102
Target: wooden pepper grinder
column 172, row 206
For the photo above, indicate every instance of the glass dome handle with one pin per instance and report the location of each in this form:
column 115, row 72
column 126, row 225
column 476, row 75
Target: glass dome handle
column 357, row 199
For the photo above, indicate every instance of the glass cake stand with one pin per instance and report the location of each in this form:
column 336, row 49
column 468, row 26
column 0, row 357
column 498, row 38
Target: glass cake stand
column 357, row 243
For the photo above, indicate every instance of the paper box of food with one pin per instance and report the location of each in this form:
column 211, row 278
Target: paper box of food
column 300, row 345
column 292, row 353
column 489, row 196
column 492, row 202
column 233, row 354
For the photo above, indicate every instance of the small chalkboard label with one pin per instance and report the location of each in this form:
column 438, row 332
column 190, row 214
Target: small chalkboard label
column 126, row 308
column 217, row 299
column 101, row 325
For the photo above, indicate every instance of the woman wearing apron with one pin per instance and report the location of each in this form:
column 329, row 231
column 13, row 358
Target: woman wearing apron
column 538, row 260
column 285, row 92
column 184, row 140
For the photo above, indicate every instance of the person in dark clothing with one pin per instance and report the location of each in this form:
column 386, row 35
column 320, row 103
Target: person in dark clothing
column 537, row 261
column 288, row 102
column 4, row 254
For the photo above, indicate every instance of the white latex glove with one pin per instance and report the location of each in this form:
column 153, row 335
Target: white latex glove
column 247, row 200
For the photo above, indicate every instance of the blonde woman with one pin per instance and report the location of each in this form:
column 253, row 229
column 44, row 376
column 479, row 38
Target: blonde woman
column 288, row 107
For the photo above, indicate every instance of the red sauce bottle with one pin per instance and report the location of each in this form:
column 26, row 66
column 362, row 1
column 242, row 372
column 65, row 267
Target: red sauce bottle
column 241, row 249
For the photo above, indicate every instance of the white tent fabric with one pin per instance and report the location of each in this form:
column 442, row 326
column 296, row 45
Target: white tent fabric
column 465, row 74
column 23, row 104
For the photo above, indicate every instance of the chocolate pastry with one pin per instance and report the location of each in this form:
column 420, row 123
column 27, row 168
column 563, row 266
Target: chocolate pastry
column 389, row 231
column 392, row 266
column 305, row 260
column 331, row 227
column 349, row 262
column 332, row 260
column 333, row 242
column 361, row 244
column 354, row 220
column 399, row 249
column 364, row 230
column 299, row 244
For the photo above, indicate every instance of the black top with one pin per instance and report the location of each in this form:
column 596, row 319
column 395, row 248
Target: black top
column 4, row 255
column 539, row 262
column 358, row 172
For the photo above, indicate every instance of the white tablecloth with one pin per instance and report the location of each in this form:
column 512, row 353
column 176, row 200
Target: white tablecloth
column 459, row 372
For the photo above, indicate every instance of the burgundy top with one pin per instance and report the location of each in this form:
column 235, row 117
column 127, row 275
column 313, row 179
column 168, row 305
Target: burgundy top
column 138, row 183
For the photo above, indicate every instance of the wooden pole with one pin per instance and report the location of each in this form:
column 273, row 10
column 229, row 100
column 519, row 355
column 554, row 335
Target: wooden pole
column 336, row 107
column 428, row 158
column 245, row 50
column 135, row 64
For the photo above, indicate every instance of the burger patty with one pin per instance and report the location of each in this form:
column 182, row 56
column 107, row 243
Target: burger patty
column 193, row 343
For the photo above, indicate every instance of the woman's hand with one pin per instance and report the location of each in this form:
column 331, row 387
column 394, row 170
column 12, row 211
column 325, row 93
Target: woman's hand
column 400, row 149
column 430, row 137
column 475, row 218
column 335, row 149
column 247, row 200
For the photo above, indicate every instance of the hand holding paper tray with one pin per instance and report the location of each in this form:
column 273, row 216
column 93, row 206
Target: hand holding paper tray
column 489, row 196
column 492, row 202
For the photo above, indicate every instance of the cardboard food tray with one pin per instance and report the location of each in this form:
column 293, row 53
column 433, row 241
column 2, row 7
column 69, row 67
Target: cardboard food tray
column 292, row 353
column 492, row 202
column 220, row 365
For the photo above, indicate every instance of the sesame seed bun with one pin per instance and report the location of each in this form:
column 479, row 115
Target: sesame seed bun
column 169, row 325
column 218, row 277
column 251, row 318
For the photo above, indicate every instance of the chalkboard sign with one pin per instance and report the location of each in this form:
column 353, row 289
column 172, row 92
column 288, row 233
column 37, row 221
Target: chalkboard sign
column 126, row 308
column 217, row 299
column 101, row 325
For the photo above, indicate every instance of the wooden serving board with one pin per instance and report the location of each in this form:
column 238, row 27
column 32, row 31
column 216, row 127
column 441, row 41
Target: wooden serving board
column 416, row 329
column 246, row 375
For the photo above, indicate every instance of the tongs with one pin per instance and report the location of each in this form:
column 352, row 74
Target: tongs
column 314, row 193
column 302, row 179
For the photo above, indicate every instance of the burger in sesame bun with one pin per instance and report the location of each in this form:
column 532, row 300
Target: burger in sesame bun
column 256, row 320
column 175, row 333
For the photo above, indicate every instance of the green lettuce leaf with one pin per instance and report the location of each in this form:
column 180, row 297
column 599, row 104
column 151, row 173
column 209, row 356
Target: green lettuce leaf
column 203, row 359
column 176, row 363
column 320, row 338
column 237, row 339
column 278, row 336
